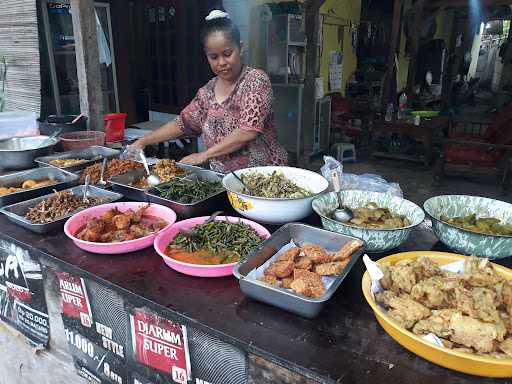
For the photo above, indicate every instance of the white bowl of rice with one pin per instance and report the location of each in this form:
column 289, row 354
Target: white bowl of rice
column 278, row 194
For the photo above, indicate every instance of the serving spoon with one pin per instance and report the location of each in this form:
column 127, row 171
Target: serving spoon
column 192, row 233
column 102, row 173
column 85, row 199
column 341, row 213
column 152, row 179
column 241, row 182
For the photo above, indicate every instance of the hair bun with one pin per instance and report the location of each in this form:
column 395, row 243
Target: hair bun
column 217, row 14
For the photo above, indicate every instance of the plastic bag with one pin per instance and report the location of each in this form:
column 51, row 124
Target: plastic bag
column 131, row 153
column 365, row 182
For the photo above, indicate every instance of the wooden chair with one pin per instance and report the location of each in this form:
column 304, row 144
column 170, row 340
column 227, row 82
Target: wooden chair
column 478, row 146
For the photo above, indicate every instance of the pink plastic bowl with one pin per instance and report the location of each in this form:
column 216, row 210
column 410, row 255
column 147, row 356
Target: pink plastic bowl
column 75, row 222
column 166, row 236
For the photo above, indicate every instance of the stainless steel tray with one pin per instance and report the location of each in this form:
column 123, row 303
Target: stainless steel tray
column 65, row 180
column 16, row 212
column 215, row 202
column 93, row 154
column 122, row 184
column 285, row 299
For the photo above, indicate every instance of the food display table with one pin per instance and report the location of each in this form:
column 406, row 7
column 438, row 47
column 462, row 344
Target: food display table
column 424, row 133
column 260, row 343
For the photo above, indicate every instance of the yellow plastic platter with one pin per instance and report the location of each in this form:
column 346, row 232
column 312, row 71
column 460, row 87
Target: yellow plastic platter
column 458, row 361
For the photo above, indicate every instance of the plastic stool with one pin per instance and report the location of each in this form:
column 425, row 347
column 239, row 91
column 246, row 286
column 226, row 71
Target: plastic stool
column 344, row 152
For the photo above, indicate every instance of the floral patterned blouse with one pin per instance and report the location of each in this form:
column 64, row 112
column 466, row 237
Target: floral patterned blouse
column 248, row 107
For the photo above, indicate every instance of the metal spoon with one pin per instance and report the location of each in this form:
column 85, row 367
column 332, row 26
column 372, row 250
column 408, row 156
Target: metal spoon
column 241, row 181
column 49, row 139
column 192, row 233
column 103, row 167
column 152, row 179
column 85, row 199
column 341, row 213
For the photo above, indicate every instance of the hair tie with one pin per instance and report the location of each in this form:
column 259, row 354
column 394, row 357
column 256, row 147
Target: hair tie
column 217, row 14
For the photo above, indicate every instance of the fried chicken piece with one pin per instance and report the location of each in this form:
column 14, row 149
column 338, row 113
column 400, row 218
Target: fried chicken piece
column 291, row 254
column 506, row 346
column 506, row 296
column 333, row 268
column 430, row 293
column 403, row 309
column 310, row 277
column 136, row 231
column 476, row 334
column 347, row 250
column 280, row 269
column 92, row 231
column 477, row 303
column 121, row 221
column 386, row 282
column 304, row 263
column 437, row 323
column 270, row 279
column 109, row 215
column 287, row 282
column 315, row 253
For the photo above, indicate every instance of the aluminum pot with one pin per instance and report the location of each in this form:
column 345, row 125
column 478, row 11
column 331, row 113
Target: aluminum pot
column 18, row 153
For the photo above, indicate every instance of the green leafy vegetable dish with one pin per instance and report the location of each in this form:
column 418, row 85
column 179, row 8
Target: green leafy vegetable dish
column 484, row 225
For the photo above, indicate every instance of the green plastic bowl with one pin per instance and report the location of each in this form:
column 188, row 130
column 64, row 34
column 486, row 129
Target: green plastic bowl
column 462, row 240
column 425, row 113
column 377, row 240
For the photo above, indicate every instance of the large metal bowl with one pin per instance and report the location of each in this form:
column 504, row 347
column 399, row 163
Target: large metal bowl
column 19, row 152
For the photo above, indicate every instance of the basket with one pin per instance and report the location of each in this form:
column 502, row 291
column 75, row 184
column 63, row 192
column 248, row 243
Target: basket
column 81, row 139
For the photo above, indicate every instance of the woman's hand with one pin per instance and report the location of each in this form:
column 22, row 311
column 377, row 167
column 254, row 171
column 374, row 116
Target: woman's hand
column 195, row 159
column 138, row 144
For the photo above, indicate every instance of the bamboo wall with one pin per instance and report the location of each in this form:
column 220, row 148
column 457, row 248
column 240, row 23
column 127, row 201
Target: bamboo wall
column 20, row 44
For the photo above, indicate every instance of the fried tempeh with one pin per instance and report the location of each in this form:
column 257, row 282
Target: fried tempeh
column 347, row 250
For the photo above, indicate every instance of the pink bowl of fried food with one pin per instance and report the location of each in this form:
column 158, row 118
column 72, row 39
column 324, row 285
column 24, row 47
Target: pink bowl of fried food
column 201, row 270
column 118, row 227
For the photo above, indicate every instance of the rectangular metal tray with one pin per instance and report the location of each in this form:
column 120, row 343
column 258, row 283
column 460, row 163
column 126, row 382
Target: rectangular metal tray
column 16, row 212
column 65, row 180
column 301, row 234
column 215, row 202
column 93, row 154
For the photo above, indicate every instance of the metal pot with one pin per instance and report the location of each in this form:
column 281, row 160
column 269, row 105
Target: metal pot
column 19, row 152
column 63, row 122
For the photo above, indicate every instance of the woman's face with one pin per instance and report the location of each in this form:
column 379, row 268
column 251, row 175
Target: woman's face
column 223, row 56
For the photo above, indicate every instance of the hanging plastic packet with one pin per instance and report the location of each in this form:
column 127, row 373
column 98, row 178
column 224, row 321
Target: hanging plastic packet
column 330, row 165
column 131, row 153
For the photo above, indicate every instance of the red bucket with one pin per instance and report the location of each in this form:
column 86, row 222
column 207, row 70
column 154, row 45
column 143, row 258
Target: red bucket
column 114, row 126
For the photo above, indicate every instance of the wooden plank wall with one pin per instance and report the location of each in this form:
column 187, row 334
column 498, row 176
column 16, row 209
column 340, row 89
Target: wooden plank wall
column 19, row 42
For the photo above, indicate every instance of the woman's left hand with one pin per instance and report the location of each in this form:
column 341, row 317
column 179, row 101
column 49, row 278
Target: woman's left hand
column 195, row 159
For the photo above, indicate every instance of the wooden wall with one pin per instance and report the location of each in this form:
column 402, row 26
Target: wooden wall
column 19, row 43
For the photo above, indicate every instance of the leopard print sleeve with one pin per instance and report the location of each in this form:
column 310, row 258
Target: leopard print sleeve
column 190, row 121
column 256, row 102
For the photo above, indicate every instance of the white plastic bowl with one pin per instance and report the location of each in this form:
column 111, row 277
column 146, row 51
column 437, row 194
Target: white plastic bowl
column 275, row 210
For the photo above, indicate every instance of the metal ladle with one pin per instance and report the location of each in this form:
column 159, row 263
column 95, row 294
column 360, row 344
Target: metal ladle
column 102, row 173
column 152, row 179
column 241, row 181
column 341, row 213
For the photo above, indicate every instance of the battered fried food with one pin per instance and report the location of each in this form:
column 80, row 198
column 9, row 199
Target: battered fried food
column 315, row 253
column 280, row 269
column 301, row 269
column 469, row 311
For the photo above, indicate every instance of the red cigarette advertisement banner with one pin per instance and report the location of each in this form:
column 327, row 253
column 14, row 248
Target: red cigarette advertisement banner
column 161, row 344
column 75, row 303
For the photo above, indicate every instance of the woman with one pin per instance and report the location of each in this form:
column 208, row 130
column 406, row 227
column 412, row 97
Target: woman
column 232, row 112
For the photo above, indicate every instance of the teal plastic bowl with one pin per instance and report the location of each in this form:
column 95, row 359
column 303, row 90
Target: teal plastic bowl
column 377, row 240
column 462, row 240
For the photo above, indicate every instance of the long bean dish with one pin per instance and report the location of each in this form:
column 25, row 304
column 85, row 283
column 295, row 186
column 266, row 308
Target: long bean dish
column 217, row 242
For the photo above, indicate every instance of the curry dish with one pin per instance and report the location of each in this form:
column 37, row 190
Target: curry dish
column 27, row 184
